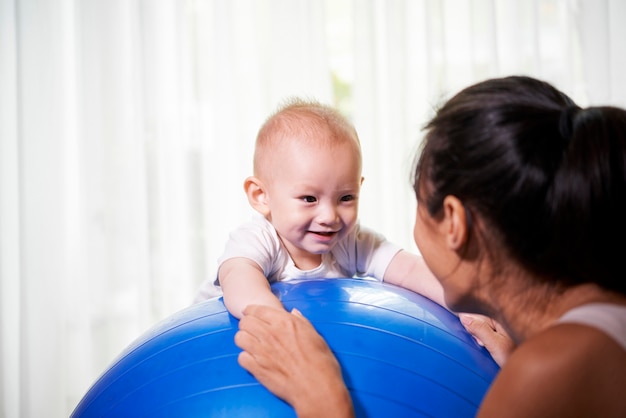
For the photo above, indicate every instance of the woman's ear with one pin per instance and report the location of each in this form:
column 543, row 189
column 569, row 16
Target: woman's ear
column 257, row 195
column 456, row 221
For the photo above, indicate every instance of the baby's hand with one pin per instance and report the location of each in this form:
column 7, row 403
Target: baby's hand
column 489, row 334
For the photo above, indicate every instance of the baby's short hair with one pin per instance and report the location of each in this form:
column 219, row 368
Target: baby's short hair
column 306, row 120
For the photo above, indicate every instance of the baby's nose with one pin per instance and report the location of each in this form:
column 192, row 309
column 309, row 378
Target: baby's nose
column 328, row 214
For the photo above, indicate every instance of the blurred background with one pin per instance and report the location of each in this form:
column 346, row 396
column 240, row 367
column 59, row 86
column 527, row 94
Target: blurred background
column 127, row 129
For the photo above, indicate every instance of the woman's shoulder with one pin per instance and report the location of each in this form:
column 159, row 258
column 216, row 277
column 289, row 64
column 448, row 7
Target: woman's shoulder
column 567, row 369
column 566, row 342
column 607, row 317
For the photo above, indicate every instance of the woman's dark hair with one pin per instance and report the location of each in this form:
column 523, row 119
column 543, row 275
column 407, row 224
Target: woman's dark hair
column 546, row 176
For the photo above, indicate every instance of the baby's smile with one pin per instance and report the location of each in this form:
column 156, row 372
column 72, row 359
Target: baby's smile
column 324, row 233
column 323, row 236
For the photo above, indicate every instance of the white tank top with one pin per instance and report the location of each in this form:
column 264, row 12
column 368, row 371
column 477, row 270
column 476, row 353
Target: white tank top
column 609, row 318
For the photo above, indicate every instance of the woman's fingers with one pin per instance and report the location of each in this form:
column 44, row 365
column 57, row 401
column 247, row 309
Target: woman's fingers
column 490, row 334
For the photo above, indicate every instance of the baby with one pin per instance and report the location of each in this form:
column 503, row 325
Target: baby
column 305, row 187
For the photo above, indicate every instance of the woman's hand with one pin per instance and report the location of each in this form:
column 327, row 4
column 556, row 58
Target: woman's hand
column 489, row 334
column 287, row 355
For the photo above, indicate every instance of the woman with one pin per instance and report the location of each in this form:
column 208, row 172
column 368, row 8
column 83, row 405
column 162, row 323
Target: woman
column 521, row 196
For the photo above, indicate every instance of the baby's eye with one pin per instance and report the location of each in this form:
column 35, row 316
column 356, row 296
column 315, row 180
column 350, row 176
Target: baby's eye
column 347, row 198
column 309, row 199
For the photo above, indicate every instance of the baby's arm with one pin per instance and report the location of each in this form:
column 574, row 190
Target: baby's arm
column 243, row 283
column 409, row 270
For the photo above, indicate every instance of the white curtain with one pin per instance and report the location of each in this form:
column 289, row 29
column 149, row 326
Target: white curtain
column 127, row 128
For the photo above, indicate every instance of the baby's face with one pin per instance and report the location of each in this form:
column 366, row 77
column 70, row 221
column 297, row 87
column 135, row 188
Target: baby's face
column 313, row 198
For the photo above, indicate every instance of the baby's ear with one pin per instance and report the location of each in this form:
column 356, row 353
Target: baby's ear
column 257, row 195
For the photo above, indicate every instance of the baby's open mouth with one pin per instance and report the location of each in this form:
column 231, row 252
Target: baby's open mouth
column 324, row 234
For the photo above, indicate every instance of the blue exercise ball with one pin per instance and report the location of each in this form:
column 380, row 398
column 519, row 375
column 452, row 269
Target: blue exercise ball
column 402, row 355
